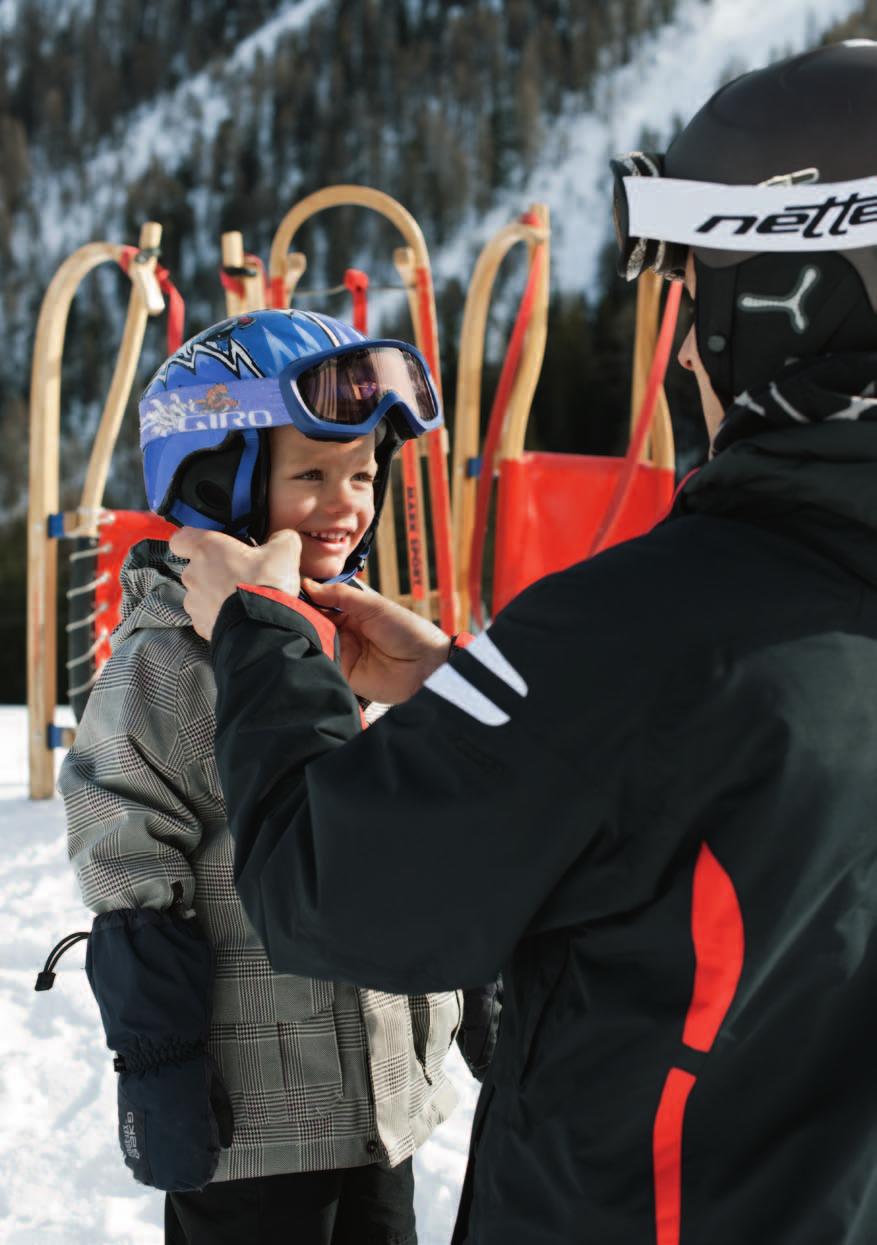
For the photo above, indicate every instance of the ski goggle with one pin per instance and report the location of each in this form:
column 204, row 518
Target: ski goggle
column 338, row 394
column 636, row 255
column 345, row 392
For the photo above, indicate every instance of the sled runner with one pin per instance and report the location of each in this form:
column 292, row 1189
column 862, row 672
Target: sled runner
column 514, row 393
column 95, row 533
column 425, row 513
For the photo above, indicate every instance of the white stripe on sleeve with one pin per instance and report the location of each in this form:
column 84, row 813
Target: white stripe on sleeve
column 489, row 655
column 451, row 686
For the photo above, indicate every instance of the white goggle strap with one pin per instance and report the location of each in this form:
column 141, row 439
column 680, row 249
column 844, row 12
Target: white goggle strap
column 832, row 216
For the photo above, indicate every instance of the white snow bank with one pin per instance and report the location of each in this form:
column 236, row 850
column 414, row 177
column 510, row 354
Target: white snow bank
column 62, row 1181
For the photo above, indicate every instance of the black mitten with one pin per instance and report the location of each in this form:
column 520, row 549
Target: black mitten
column 151, row 973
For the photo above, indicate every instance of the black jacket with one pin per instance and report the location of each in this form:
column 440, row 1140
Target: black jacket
column 650, row 797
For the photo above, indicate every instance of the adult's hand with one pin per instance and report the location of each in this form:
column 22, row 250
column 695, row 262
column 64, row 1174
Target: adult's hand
column 387, row 652
column 218, row 563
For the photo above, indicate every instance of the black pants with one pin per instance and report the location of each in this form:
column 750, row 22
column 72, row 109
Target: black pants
column 370, row 1205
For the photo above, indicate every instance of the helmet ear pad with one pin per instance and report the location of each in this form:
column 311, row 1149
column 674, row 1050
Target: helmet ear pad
column 754, row 318
column 225, row 487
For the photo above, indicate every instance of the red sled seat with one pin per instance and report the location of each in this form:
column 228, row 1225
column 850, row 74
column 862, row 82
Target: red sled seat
column 556, row 509
column 550, row 505
column 95, row 594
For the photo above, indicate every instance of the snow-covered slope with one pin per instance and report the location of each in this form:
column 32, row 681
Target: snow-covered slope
column 670, row 75
column 163, row 132
column 62, row 1181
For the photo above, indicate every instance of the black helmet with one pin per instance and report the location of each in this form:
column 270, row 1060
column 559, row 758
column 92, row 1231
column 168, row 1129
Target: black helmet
column 784, row 130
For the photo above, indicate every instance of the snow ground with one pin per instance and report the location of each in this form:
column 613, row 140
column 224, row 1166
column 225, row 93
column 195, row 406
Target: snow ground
column 62, row 1181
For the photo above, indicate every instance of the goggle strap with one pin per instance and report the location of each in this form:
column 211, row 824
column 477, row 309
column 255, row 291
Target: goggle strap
column 643, row 164
column 835, row 216
column 636, row 262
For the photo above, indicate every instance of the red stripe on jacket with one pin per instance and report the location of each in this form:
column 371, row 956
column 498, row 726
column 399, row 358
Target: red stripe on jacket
column 324, row 627
column 718, row 935
column 717, row 932
column 667, row 1155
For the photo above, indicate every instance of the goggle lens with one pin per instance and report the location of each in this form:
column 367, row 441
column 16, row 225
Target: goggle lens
column 347, row 388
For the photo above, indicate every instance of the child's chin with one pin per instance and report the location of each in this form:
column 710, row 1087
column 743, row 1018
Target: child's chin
column 322, row 568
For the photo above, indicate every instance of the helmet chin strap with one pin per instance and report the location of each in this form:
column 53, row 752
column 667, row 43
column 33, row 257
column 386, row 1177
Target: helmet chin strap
column 343, row 578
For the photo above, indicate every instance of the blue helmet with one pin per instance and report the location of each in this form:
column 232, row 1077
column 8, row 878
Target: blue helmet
column 204, row 414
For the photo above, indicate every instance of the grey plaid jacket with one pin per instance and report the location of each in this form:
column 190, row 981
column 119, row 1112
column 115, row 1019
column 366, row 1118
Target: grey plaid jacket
column 321, row 1074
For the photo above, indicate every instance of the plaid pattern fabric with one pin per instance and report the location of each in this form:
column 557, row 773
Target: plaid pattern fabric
column 318, row 1072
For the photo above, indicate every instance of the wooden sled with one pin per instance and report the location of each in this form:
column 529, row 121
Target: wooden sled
column 89, row 523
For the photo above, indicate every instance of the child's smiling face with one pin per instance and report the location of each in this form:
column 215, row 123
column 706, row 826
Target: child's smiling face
column 324, row 490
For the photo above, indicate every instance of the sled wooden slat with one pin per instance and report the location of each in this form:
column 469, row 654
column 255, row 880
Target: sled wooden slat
column 146, row 300
column 521, row 401
column 385, row 547
column 251, row 294
column 343, row 196
column 405, row 599
column 658, row 448
column 405, row 263
column 296, row 267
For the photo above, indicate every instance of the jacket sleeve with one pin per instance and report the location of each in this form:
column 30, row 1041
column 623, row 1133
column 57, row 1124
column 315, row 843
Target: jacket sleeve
column 416, row 855
column 140, row 782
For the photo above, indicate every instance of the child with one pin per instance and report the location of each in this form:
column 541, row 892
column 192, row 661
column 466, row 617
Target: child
column 271, row 1107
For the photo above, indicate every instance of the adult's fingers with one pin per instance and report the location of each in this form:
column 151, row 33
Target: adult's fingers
column 285, row 540
column 352, row 601
column 189, row 540
column 350, row 651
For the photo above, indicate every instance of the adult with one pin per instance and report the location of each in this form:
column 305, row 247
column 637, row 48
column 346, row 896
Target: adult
column 648, row 791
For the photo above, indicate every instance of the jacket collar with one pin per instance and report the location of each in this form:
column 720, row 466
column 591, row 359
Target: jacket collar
column 152, row 594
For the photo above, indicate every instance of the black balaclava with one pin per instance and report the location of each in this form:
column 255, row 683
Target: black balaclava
column 755, row 318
